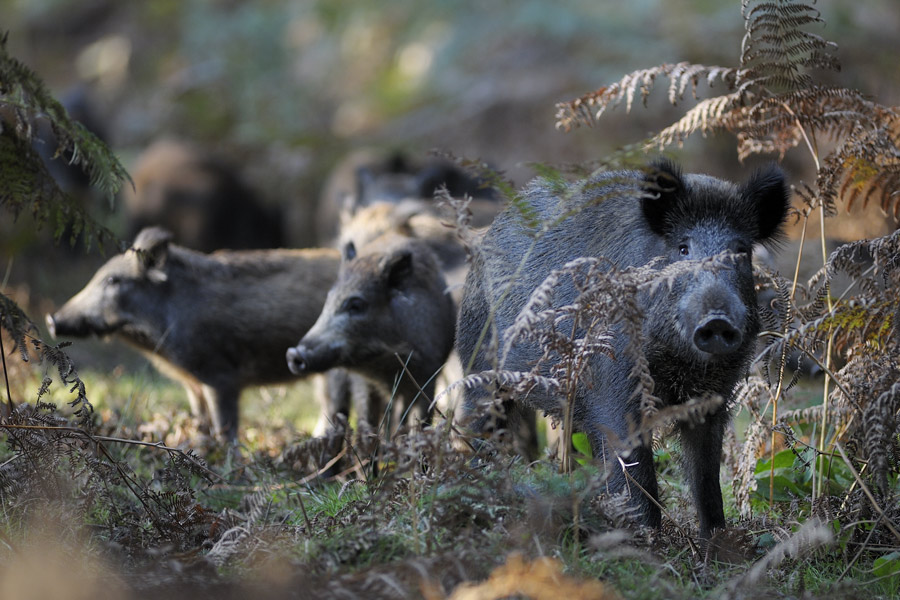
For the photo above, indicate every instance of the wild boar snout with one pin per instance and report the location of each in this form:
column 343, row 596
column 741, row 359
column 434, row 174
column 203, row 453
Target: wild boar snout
column 297, row 360
column 716, row 335
column 66, row 324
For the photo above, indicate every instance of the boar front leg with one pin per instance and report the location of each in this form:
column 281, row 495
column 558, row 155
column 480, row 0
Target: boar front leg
column 197, row 401
column 222, row 404
column 332, row 391
column 701, row 447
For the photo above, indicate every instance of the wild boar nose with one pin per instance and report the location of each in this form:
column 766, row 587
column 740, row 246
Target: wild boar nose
column 51, row 325
column 296, row 360
column 717, row 335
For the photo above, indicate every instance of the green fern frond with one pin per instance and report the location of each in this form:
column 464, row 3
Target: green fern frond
column 15, row 322
column 27, row 185
column 24, row 100
column 22, row 91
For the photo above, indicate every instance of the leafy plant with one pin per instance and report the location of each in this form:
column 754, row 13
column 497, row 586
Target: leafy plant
column 27, row 186
column 24, row 102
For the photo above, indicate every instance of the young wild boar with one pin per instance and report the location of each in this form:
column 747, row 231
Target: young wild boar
column 698, row 334
column 216, row 323
column 363, row 178
column 389, row 304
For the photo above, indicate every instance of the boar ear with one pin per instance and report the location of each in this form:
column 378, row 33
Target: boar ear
column 152, row 247
column 397, row 267
column 348, row 252
column 769, row 198
column 662, row 186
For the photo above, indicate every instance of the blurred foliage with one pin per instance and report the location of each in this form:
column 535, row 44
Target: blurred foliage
column 288, row 88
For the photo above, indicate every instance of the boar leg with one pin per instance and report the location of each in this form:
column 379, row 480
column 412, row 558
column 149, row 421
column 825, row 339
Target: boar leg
column 701, row 446
column 367, row 401
column 609, row 425
column 638, row 463
column 222, row 403
column 197, row 401
column 332, row 391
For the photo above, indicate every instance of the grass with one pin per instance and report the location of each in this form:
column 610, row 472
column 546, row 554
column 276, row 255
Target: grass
column 150, row 522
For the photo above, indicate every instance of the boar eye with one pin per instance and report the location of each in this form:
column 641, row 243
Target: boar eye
column 684, row 250
column 354, row 306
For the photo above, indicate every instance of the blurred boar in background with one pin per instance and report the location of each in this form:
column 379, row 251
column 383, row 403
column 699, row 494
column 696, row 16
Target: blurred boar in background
column 202, row 200
column 216, row 323
column 698, row 331
column 389, row 304
column 416, row 219
column 363, row 179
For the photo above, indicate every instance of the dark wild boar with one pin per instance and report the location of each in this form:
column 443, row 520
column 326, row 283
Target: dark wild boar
column 216, row 323
column 200, row 198
column 697, row 335
column 389, row 301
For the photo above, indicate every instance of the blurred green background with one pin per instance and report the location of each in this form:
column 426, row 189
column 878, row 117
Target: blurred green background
column 288, row 88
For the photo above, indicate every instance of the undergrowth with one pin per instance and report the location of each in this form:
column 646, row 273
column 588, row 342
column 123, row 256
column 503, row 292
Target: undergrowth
column 814, row 487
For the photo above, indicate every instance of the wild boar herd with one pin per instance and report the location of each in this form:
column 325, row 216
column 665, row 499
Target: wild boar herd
column 378, row 308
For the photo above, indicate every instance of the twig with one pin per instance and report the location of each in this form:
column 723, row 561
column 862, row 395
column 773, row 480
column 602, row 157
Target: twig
column 866, row 491
column 8, row 408
column 102, row 438
column 433, row 406
column 862, row 548
column 656, row 502
column 309, row 527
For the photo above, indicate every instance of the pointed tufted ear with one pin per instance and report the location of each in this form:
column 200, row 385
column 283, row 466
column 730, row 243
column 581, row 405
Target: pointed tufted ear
column 151, row 247
column 768, row 196
column 663, row 186
column 397, row 267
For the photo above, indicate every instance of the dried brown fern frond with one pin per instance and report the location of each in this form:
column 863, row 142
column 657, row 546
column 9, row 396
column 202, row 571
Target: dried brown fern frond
column 871, row 376
column 768, row 101
column 880, row 427
column 810, row 536
column 752, row 394
column 587, row 109
column 771, row 104
column 17, row 324
column 865, row 167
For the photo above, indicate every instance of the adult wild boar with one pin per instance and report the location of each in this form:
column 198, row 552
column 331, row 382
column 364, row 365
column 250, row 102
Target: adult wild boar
column 389, row 304
column 698, row 333
column 200, row 198
column 216, row 323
